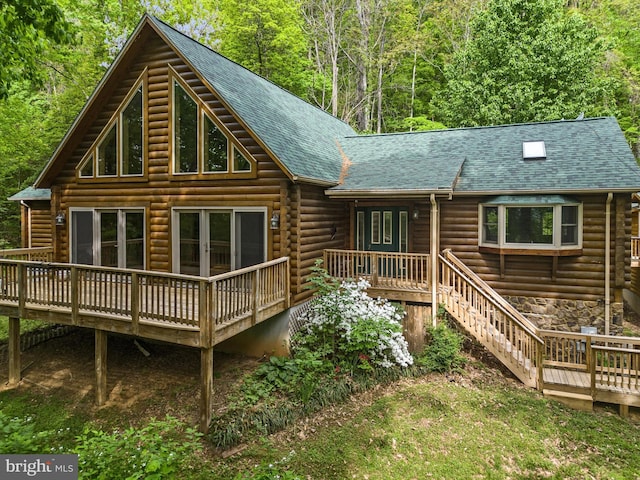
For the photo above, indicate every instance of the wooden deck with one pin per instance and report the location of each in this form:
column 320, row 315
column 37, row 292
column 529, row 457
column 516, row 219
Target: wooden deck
column 394, row 276
column 575, row 368
column 180, row 309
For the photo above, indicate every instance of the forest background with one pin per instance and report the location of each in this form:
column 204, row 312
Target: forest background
column 381, row 65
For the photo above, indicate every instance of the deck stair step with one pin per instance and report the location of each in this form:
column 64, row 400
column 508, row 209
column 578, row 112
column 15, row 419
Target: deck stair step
column 577, row 401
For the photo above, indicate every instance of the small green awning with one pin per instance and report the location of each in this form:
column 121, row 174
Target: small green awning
column 530, row 200
column 30, row 193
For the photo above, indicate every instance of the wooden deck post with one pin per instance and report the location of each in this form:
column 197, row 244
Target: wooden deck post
column 14, row 351
column 101, row 367
column 206, row 388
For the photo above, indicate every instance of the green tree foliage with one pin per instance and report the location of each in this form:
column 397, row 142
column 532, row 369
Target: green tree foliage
column 620, row 20
column 21, row 154
column 526, row 60
column 267, row 37
column 27, row 28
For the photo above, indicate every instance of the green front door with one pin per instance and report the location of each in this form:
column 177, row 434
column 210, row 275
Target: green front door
column 382, row 229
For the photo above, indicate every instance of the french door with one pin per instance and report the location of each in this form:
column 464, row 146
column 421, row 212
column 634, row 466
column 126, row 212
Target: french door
column 108, row 237
column 212, row 241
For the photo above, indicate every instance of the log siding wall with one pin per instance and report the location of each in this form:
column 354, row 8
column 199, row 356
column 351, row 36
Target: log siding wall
column 158, row 191
column 318, row 223
column 573, row 278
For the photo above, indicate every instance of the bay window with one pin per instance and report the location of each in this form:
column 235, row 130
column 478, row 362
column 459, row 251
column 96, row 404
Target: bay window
column 526, row 223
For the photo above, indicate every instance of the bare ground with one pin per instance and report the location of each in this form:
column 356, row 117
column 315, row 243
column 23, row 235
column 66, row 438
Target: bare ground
column 139, row 387
column 167, row 381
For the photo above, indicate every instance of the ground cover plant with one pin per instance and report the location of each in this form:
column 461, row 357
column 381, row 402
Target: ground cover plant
column 308, row 420
column 347, row 342
column 25, row 326
column 473, row 423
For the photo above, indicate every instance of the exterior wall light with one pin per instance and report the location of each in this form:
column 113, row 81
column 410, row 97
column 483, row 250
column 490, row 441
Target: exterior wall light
column 60, row 219
column 416, row 214
column 275, row 221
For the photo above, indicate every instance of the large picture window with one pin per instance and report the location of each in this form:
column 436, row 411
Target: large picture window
column 199, row 144
column 531, row 223
column 119, row 150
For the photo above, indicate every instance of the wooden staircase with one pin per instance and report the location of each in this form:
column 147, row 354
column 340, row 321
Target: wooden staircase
column 574, row 368
column 490, row 319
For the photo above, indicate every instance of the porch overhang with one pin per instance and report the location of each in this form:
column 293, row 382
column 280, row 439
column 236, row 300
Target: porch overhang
column 388, row 193
column 31, row 194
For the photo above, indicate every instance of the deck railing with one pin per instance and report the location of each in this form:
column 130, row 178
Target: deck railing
column 489, row 318
column 608, row 367
column 40, row 254
column 612, row 362
column 388, row 270
column 165, row 306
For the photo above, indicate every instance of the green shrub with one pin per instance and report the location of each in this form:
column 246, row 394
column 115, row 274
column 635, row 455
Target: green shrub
column 350, row 329
column 18, row 435
column 442, row 352
column 153, row 452
column 297, row 376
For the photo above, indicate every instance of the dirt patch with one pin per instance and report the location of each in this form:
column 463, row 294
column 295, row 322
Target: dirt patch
column 167, row 382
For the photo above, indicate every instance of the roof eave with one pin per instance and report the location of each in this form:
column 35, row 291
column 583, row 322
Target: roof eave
column 563, row 191
column 385, row 193
column 89, row 103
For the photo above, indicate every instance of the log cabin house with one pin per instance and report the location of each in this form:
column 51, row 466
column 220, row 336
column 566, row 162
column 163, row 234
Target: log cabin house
column 185, row 167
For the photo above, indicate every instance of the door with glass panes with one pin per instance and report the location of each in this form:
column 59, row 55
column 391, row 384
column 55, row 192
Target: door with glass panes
column 381, row 229
column 108, row 237
column 213, row 241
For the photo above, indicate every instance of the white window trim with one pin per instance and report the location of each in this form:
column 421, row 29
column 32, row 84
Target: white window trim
column 556, row 245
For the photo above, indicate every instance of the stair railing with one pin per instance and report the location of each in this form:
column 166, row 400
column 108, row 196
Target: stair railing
column 492, row 320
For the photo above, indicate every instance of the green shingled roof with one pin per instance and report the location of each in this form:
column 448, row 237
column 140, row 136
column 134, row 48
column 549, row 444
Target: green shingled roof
column 409, row 162
column 31, row 193
column 581, row 155
column 311, row 145
column 300, row 135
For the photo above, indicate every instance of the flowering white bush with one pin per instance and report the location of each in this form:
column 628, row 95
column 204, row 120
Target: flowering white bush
column 344, row 323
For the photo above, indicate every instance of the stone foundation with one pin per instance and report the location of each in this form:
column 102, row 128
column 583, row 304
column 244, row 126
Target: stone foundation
column 568, row 315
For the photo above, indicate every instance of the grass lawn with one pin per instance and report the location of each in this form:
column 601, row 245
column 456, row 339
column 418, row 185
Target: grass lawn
column 436, row 428
column 25, row 326
column 476, row 424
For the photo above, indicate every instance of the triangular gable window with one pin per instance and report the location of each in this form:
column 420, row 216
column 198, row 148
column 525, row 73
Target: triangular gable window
column 119, row 150
column 215, row 148
column 201, row 144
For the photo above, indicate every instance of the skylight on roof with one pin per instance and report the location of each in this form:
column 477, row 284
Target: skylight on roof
column 533, row 150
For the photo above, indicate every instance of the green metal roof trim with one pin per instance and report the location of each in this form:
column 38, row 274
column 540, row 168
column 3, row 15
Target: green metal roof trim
column 400, row 162
column 301, row 136
column 581, row 155
column 32, row 194
column 531, row 200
